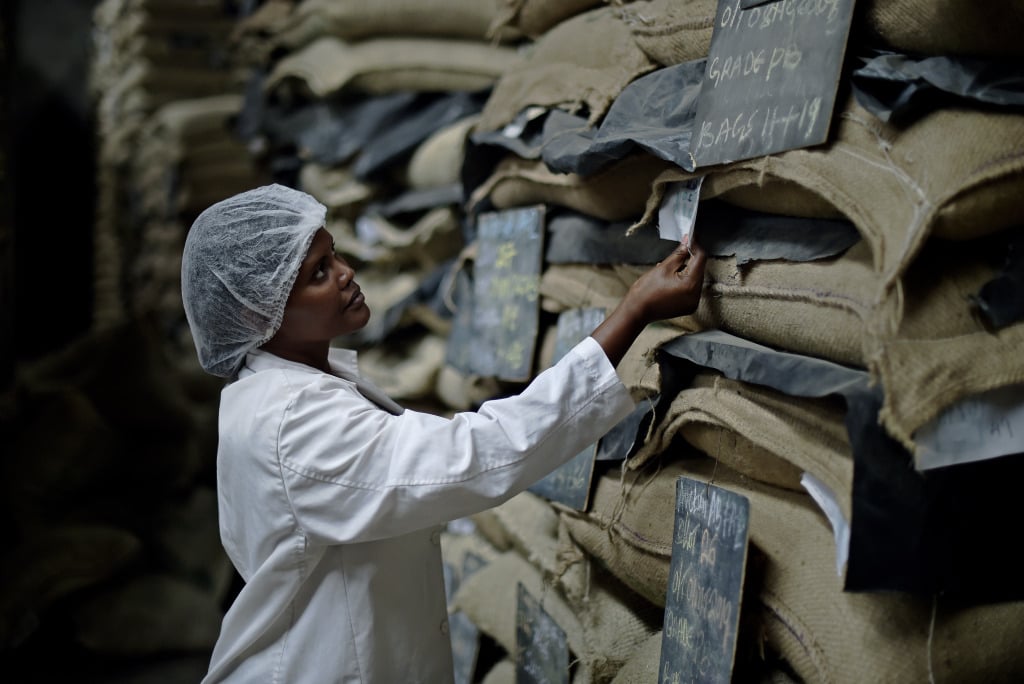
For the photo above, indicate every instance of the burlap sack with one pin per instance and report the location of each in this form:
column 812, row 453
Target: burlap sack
column 955, row 173
column 602, row 632
column 525, row 523
column 953, row 27
column 461, row 391
column 455, row 547
column 826, row 634
column 54, row 564
column 674, row 31
column 567, row 286
column 760, row 433
column 939, row 354
column 582, row 63
column 356, row 19
column 430, row 241
column 337, row 188
column 535, row 17
column 531, row 526
column 167, row 82
column 149, row 615
column 922, row 377
column 817, row 308
column 488, row 599
column 437, row 161
column 671, row 31
column 328, row 66
column 409, row 371
column 642, row 668
column 211, row 22
column 616, row 193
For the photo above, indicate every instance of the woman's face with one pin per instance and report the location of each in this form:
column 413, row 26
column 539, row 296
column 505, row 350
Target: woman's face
column 325, row 301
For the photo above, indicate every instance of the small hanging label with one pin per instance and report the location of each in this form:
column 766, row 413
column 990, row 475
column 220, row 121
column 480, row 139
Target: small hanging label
column 705, row 584
column 678, row 211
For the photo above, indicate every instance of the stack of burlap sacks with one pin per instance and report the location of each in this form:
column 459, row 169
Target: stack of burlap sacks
column 166, row 97
column 952, row 178
column 113, row 558
column 926, row 201
column 113, row 562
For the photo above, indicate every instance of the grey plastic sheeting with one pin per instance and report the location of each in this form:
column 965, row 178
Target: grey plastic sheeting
column 415, row 201
column 721, row 229
column 1001, row 300
column 396, row 143
column 898, row 88
column 329, row 132
column 654, row 113
column 942, row 531
column 726, row 230
column 577, row 239
column 373, row 133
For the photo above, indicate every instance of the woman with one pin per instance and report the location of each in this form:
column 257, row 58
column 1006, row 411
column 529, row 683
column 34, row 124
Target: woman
column 331, row 497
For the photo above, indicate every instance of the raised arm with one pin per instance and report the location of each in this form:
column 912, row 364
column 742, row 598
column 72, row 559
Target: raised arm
column 669, row 289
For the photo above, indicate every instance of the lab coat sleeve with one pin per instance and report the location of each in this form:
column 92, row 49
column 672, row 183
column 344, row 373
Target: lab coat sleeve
column 356, row 473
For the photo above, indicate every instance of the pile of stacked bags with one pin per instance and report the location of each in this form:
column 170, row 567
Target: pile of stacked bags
column 848, row 313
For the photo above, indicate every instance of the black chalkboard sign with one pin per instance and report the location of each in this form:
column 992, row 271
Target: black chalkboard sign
column 771, row 78
column 619, row 442
column 569, row 483
column 464, row 634
column 702, row 605
column 458, row 352
column 542, row 654
column 506, row 279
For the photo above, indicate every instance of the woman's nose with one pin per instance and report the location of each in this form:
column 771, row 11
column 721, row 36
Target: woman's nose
column 345, row 275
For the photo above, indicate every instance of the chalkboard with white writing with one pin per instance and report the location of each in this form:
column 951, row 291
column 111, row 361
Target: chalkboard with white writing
column 705, row 584
column 542, row 653
column 506, row 280
column 464, row 634
column 771, row 78
column 569, row 484
column 458, row 353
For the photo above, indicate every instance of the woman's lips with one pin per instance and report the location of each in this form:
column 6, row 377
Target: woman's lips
column 356, row 299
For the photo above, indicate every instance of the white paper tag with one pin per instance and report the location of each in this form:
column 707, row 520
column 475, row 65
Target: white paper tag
column 987, row 425
column 678, row 210
column 827, row 502
column 515, row 128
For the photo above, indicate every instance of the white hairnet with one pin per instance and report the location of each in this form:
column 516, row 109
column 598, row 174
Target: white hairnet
column 241, row 258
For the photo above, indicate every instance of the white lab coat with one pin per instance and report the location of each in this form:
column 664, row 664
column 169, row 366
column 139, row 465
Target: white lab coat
column 331, row 509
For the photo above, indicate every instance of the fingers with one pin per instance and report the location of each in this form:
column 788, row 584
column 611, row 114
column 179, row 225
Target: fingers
column 687, row 249
column 693, row 274
column 677, row 259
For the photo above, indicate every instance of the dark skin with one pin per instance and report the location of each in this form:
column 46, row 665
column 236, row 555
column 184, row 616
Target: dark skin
column 326, row 303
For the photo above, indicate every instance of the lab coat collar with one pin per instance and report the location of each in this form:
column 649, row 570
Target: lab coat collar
column 343, row 362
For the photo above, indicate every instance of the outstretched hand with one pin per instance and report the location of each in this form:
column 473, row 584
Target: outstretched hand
column 671, row 288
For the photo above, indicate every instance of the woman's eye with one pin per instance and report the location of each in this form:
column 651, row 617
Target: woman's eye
column 320, row 273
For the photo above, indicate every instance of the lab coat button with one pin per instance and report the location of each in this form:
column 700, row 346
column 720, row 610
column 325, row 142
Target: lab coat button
column 444, row 627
